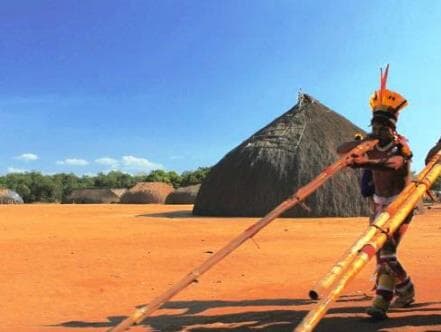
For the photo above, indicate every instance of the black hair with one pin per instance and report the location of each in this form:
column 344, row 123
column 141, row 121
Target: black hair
column 385, row 118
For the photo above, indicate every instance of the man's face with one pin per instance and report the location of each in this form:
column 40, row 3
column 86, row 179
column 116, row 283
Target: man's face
column 382, row 131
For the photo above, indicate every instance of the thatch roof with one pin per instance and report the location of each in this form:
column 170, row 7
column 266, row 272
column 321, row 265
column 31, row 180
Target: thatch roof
column 183, row 195
column 147, row 192
column 269, row 166
column 119, row 191
column 94, row 196
column 8, row 196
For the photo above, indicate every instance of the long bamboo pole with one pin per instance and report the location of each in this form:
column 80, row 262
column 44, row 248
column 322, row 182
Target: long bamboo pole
column 369, row 249
column 379, row 223
column 143, row 312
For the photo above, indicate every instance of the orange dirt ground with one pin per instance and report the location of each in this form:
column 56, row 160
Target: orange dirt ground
column 85, row 267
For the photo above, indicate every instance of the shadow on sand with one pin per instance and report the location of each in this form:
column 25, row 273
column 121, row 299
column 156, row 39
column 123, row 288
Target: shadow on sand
column 338, row 319
column 172, row 214
column 183, row 214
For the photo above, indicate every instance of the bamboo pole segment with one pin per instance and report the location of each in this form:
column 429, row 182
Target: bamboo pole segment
column 143, row 312
column 370, row 248
column 336, row 271
column 379, row 223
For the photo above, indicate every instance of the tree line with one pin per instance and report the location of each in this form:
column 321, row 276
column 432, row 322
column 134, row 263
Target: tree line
column 37, row 187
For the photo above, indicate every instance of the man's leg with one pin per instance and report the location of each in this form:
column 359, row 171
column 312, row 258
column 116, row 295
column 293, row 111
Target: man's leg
column 391, row 277
column 385, row 283
column 404, row 288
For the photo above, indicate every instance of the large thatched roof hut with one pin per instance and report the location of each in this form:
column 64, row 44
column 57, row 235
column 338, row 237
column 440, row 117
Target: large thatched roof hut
column 95, row 196
column 147, row 192
column 8, row 196
column 183, row 195
column 269, row 166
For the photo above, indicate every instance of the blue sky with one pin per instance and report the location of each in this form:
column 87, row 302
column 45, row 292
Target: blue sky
column 89, row 86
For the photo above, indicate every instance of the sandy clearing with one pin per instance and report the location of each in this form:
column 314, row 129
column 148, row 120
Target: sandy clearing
column 85, row 267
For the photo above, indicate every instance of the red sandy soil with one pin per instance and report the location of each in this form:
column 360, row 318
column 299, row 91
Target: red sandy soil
column 86, row 267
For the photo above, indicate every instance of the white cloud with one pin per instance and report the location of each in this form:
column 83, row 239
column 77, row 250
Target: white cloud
column 27, row 157
column 107, row 161
column 128, row 164
column 89, row 174
column 141, row 164
column 73, row 162
column 16, row 170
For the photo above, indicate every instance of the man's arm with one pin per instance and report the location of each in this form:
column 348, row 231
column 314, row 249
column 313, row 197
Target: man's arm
column 392, row 163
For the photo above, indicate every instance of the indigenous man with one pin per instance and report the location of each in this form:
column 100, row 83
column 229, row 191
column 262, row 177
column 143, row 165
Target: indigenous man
column 432, row 151
column 389, row 162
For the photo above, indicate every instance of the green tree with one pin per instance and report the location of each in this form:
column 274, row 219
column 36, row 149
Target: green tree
column 113, row 179
column 21, row 184
column 160, row 175
column 194, row 177
column 36, row 187
column 65, row 183
column 42, row 188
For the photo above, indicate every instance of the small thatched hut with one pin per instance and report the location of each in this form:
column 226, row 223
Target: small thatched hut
column 269, row 166
column 147, row 192
column 95, row 196
column 8, row 196
column 183, row 195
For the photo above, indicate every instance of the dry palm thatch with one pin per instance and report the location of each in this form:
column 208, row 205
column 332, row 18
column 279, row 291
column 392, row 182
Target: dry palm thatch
column 94, row 196
column 147, row 192
column 288, row 153
column 183, row 195
column 8, row 196
column 119, row 191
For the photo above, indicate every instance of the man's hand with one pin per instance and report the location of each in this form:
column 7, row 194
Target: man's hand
column 358, row 160
column 363, row 161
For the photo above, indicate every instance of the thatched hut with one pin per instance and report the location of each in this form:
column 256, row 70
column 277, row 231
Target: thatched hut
column 183, row 195
column 119, row 192
column 269, row 166
column 8, row 196
column 95, row 196
column 147, row 192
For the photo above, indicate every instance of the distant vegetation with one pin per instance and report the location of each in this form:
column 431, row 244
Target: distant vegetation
column 36, row 187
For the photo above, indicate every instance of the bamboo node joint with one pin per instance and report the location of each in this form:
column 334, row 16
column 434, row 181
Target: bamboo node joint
column 424, row 181
column 382, row 230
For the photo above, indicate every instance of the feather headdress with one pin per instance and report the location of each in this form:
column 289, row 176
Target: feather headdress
column 385, row 103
